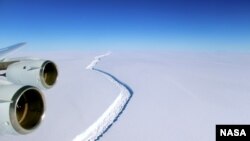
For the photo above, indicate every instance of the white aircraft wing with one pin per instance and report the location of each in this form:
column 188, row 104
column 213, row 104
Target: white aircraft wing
column 5, row 51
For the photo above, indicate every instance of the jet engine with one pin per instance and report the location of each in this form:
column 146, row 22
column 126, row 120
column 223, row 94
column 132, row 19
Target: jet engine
column 22, row 104
column 23, row 109
column 39, row 73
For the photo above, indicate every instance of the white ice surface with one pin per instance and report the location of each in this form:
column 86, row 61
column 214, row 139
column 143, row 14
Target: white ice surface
column 177, row 95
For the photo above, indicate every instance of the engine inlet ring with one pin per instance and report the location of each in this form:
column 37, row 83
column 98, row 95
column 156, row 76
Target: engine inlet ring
column 27, row 109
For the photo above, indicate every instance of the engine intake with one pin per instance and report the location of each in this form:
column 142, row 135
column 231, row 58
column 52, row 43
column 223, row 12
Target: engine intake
column 48, row 74
column 25, row 112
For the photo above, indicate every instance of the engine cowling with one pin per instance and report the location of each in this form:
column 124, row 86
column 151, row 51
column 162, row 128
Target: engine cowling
column 39, row 73
column 23, row 110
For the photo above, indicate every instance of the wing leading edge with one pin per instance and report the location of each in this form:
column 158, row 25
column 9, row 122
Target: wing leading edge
column 5, row 51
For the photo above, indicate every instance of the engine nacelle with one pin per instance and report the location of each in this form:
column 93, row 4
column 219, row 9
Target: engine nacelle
column 23, row 110
column 39, row 73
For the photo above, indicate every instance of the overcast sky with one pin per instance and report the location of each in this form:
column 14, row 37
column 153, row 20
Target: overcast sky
column 106, row 24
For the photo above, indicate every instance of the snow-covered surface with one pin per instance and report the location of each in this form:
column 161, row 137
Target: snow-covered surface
column 177, row 95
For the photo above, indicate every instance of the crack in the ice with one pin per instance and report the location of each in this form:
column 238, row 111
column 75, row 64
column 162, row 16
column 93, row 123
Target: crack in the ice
column 125, row 105
column 114, row 111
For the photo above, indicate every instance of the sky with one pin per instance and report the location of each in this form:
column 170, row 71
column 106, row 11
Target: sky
column 126, row 24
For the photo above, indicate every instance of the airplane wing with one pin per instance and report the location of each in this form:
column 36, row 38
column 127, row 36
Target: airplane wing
column 5, row 51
